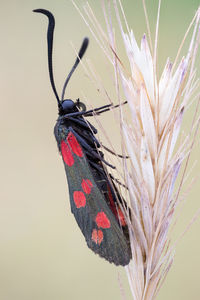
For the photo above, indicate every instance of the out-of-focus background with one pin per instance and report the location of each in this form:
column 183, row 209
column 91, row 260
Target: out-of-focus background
column 43, row 254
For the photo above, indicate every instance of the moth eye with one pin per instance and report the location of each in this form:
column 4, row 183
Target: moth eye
column 68, row 105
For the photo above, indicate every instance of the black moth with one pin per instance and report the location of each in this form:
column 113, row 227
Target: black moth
column 93, row 196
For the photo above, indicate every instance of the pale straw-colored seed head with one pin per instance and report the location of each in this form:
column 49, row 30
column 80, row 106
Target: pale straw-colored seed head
column 150, row 136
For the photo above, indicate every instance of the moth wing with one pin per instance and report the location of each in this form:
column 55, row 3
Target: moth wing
column 95, row 219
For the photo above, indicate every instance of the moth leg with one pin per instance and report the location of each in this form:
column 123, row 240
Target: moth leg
column 91, row 156
column 117, row 180
column 90, row 112
column 110, row 151
column 82, row 113
column 101, row 110
column 90, row 138
column 97, row 167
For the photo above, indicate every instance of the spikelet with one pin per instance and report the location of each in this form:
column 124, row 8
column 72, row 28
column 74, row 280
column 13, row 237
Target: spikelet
column 157, row 107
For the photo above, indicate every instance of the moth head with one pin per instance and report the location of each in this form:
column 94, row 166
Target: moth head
column 68, row 106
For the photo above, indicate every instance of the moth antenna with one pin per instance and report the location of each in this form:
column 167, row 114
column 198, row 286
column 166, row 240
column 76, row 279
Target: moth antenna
column 80, row 55
column 50, row 32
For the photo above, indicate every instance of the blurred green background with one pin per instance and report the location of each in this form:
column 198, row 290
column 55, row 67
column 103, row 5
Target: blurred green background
column 43, row 254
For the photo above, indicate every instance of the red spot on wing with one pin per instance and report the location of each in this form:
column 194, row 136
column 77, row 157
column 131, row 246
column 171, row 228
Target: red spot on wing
column 76, row 148
column 116, row 211
column 121, row 217
column 79, row 199
column 87, row 186
column 111, row 200
column 67, row 154
column 97, row 236
column 102, row 220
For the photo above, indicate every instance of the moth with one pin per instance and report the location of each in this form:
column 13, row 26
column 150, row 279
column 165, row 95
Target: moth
column 94, row 197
